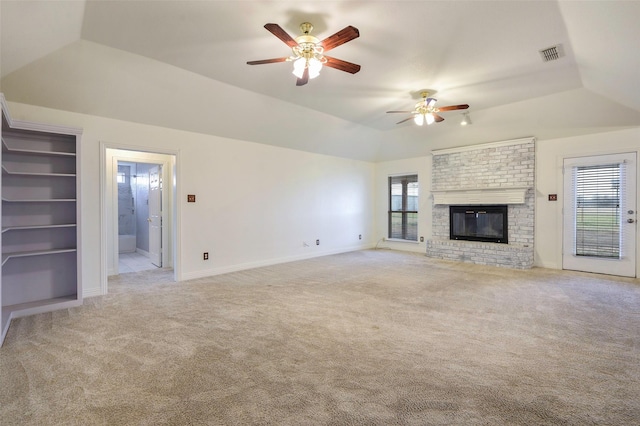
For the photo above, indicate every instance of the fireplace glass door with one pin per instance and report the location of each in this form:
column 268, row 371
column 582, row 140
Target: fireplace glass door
column 479, row 223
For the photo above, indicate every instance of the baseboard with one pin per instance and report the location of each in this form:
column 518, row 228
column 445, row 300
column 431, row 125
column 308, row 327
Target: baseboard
column 546, row 265
column 5, row 329
column 268, row 262
column 91, row 293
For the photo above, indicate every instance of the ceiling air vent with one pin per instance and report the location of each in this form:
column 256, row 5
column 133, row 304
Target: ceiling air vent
column 552, row 53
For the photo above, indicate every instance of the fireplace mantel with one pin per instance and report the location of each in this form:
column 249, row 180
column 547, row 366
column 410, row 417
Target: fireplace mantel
column 511, row 195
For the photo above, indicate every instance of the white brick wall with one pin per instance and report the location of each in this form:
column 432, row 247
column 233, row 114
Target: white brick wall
column 504, row 166
column 490, row 167
column 507, row 255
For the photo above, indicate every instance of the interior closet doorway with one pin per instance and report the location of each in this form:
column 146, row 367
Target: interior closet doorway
column 130, row 219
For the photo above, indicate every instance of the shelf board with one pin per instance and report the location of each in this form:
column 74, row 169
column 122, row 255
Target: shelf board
column 39, row 306
column 6, row 171
column 44, row 200
column 7, row 256
column 18, row 228
column 6, row 148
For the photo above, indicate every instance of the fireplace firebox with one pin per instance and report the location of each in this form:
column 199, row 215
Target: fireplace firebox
column 479, row 223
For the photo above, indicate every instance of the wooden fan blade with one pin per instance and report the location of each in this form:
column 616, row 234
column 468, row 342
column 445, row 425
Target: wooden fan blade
column 403, row 112
column 453, row 107
column 267, row 61
column 341, row 37
column 277, row 31
column 341, row 65
column 305, row 78
column 406, row 119
column 437, row 117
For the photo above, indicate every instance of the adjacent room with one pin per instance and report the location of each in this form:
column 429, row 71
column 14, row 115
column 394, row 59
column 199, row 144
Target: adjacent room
column 319, row 212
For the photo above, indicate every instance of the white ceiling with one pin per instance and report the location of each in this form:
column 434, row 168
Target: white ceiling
column 182, row 64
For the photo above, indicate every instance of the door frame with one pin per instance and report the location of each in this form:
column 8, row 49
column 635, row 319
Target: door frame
column 155, row 202
column 560, row 188
column 110, row 154
column 111, row 267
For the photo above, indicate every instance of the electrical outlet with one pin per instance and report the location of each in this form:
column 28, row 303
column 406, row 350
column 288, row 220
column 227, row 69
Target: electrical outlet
column 205, row 255
column 422, row 239
column 317, row 242
column 359, row 236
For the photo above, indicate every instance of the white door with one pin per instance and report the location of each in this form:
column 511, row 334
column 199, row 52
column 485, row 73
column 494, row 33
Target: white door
column 155, row 215
column 600, row 214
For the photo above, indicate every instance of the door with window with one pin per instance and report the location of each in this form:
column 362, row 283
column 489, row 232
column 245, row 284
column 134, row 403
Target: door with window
column 600, row 214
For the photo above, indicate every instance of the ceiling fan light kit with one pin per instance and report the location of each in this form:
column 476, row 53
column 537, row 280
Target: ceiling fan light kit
column 420, row 119
column 424, row 110
column 308, row 52
column 466, row 120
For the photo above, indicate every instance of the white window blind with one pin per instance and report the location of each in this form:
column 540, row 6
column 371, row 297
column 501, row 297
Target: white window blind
column 598, row 207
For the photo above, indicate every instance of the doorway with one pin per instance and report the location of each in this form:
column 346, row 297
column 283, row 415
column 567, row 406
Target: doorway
column 139, row 216
column 600, row 214
column 168, row 215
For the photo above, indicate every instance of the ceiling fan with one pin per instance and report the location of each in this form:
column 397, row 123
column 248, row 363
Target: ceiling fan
column 308, row 52
column 426, row 111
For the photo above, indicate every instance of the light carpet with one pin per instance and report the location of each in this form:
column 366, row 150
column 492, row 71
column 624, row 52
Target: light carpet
column 363, row 338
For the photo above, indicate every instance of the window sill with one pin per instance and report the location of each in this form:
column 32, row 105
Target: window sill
column 399, row 240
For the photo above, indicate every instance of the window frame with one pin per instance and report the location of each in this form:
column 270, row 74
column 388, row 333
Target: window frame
column 405, row 179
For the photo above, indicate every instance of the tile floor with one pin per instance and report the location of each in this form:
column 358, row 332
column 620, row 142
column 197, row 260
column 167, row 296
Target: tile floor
column 134, row 262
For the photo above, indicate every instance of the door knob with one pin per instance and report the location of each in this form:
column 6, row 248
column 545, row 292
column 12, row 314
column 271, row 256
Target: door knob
column 149, row 219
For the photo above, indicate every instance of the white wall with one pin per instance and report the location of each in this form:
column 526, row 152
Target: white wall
column 421, row 166
column 549, row 158
column 255, row 204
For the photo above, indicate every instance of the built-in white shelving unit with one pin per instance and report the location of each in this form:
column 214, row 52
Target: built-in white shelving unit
column 40, row 219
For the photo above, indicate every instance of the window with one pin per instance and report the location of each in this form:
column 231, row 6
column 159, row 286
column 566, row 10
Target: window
column 403, row 207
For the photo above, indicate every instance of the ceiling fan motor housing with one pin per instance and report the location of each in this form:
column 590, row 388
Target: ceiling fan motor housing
column 308, row 47
column 426, row 105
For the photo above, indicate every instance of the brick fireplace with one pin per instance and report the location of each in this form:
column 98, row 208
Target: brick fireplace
column 500, row 173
